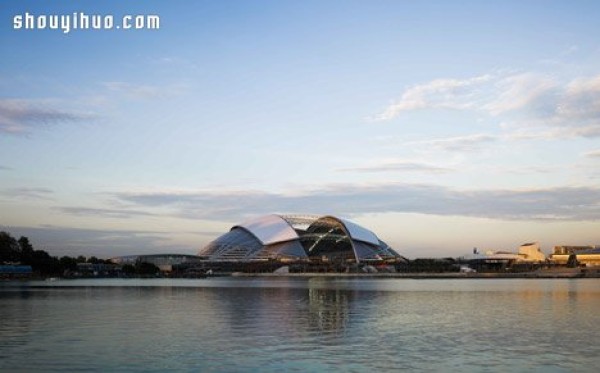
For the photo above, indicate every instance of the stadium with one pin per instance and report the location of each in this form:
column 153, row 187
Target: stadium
column 298, row 238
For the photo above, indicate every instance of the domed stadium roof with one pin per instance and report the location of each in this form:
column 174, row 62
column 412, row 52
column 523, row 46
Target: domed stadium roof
column 298, row 237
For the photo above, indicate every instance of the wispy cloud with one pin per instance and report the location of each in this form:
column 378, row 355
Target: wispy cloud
column 439, row 93
column 101, row 243
column 397, row 166
column 537, row 101
column 5, row 168
column 175, row 62
column 104, row 213
column 527, row 132
column 458, row 143
column 27, row 193
column 564, row 203
column 19, row 116
column 520, row 91
column 144, row 91
column 529, row 170
column 593, row 154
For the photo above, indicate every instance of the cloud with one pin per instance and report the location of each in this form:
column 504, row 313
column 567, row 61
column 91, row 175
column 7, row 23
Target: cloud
column 102, row 243
column 491, row 94
column 104, row 213
column 525, row 100
column 581, row 101
column 173, row 62
column 459, row 143
column 593, row 154
column 19, row 116
column 529, row 170
column 545, row 133
column 565, row 203
column 143, row 91
column 28, row 193
column 398, row 166
column 5, row 168
column 439, row 93
column 519, row 92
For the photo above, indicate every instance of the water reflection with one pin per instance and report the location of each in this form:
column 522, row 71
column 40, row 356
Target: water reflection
column 329, row 309
column 305, row 325
column 16, row 316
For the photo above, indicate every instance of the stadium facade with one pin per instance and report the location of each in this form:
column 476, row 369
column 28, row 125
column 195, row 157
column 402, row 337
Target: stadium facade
column 299, row 238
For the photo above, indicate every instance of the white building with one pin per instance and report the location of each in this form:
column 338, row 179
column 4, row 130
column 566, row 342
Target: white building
column 527, row 253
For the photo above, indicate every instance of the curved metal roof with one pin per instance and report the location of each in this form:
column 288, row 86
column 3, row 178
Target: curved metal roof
column 360, row 233
column 295, row 236
column 270, row 229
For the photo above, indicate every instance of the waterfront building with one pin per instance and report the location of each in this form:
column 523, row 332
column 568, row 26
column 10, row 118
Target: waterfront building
column 290, row 238
column 587, row 255
column 527, row 253
column 12, row 271
column 165, row 262
column 531, row 252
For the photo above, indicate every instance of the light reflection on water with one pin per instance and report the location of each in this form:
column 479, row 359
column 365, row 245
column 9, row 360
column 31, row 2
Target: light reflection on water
column 296, row 324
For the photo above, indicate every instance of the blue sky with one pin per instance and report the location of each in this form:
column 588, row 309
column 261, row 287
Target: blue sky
column 439, row 125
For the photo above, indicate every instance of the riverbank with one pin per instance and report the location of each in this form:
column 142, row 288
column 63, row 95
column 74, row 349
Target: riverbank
column 546, row 273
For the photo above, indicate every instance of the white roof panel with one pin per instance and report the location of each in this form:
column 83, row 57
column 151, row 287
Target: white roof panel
column 359, row 233
column 270, row 229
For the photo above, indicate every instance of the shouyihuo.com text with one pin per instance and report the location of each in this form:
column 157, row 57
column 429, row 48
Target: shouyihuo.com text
column 82, row 21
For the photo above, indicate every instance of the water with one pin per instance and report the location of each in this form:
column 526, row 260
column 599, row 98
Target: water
column 304, row 325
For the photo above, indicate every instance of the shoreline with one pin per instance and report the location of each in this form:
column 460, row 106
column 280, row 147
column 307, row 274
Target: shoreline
column 558, row 274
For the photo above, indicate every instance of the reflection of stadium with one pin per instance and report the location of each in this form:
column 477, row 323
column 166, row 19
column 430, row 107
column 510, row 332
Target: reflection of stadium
column 329, row 310
column 294, row 237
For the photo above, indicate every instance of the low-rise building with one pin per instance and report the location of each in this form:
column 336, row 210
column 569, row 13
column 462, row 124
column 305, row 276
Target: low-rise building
column 11, row 271
column 587, row 255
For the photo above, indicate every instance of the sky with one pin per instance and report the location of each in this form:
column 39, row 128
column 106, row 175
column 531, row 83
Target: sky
column 439, row 125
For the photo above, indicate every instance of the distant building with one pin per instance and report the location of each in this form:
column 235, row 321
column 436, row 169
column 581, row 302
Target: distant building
column 95, row 269
column 527, row 253
column 165, row 262
column 531, row 252
column 587, row 255
column 15, row 271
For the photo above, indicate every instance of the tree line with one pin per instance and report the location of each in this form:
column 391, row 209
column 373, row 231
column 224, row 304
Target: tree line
column 21, row 251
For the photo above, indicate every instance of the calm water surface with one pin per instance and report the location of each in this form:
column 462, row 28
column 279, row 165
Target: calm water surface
column 304, row 325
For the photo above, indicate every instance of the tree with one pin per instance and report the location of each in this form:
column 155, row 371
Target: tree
column 26, row 250
column 9, row 248
column 145, row 268
column 45, row 264
column 68, row 263
column 94, row 260
column 128, row 269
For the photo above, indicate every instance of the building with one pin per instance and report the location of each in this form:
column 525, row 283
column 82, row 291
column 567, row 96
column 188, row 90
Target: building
column 165, row 262
column 527, row 253
column 588, row 255
column 299, row 238
column 12, row 271
column 531, row 252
